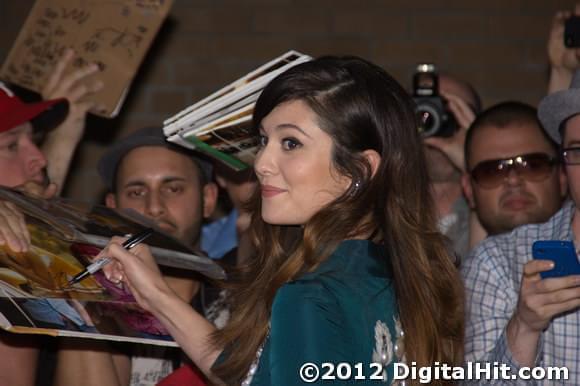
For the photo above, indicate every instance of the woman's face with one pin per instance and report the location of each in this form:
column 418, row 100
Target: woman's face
column 294, row 166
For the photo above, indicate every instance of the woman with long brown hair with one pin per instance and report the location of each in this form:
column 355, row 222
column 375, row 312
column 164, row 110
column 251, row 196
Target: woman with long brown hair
column 350, row 266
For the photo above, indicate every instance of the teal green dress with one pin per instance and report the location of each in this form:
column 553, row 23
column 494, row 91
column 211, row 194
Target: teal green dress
column 344, row 311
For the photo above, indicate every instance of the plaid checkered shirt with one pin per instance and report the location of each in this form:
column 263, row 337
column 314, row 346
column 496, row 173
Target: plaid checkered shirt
column 492, row 275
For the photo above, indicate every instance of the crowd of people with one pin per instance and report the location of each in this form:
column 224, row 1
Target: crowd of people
column 352, row 239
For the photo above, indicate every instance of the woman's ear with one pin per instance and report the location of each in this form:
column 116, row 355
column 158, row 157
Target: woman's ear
column 374, row 160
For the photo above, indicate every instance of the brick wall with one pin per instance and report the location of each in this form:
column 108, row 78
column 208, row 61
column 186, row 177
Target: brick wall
column 498, row 45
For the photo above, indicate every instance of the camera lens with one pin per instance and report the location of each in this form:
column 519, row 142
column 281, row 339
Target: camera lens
column 429, row 120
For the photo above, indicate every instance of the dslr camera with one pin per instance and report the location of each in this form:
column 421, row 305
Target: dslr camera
column 433, row 117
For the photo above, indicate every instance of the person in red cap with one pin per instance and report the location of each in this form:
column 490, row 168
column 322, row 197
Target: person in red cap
column 61, row 116
column 25, row 166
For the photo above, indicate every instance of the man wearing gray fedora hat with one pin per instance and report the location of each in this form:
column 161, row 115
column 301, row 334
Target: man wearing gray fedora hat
column 513, row 315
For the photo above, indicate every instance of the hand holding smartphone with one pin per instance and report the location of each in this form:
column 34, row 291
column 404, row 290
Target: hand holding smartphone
column 562, row 253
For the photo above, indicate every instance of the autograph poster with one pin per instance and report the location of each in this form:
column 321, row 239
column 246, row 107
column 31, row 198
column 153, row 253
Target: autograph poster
column 66, row 236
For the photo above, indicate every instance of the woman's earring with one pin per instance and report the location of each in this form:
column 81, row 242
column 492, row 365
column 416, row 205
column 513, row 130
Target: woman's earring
column 357, row 186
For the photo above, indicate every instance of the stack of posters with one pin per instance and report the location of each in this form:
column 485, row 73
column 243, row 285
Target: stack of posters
column 221, row 124
column 34, row 293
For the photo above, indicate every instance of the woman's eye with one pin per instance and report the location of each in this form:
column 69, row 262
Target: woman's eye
column 262, row 140
column 290, row 143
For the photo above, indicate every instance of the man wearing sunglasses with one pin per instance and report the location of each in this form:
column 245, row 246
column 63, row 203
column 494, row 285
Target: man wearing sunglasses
column 513, row 173
column 513, row 315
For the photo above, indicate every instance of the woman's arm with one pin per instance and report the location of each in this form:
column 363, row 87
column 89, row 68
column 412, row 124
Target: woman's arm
column 139, row 271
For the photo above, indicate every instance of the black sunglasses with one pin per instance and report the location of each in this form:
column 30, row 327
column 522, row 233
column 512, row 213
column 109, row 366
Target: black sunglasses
column 532, row 167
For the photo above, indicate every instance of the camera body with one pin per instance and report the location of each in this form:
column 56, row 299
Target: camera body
column 572, row 32
column 434, row 118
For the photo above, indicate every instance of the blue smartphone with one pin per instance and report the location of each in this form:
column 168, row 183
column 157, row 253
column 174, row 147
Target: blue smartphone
column 562, row 253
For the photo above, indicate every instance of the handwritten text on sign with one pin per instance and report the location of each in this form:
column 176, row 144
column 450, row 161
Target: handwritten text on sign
column 113, row 34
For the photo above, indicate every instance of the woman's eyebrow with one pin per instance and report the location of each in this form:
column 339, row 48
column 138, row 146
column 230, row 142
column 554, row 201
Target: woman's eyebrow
column 291, row 126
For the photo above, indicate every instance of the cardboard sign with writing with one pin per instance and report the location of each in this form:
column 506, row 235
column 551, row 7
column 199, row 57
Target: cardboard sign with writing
column 115, row 34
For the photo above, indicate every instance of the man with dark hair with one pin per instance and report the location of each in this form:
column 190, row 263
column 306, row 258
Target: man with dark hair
column 514, row 316
column 164, row 182
column 171, row 186
column 513, row 173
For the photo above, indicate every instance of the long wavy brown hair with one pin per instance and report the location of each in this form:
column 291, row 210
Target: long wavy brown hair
column 361, row 107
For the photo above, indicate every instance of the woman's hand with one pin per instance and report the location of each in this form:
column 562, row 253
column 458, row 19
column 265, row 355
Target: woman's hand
column 138, row 270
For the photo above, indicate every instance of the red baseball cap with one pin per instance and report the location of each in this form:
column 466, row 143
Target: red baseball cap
column 43, row 115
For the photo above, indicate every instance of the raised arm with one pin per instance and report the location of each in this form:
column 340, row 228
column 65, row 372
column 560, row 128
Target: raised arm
column 563, row 61
column 60, row 144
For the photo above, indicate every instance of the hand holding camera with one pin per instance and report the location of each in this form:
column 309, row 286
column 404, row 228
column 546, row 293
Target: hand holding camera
column 433, row 116
column 564, row 39
column 443, row 117
column 460, row 109
column 453, row 146
column 564, row 48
